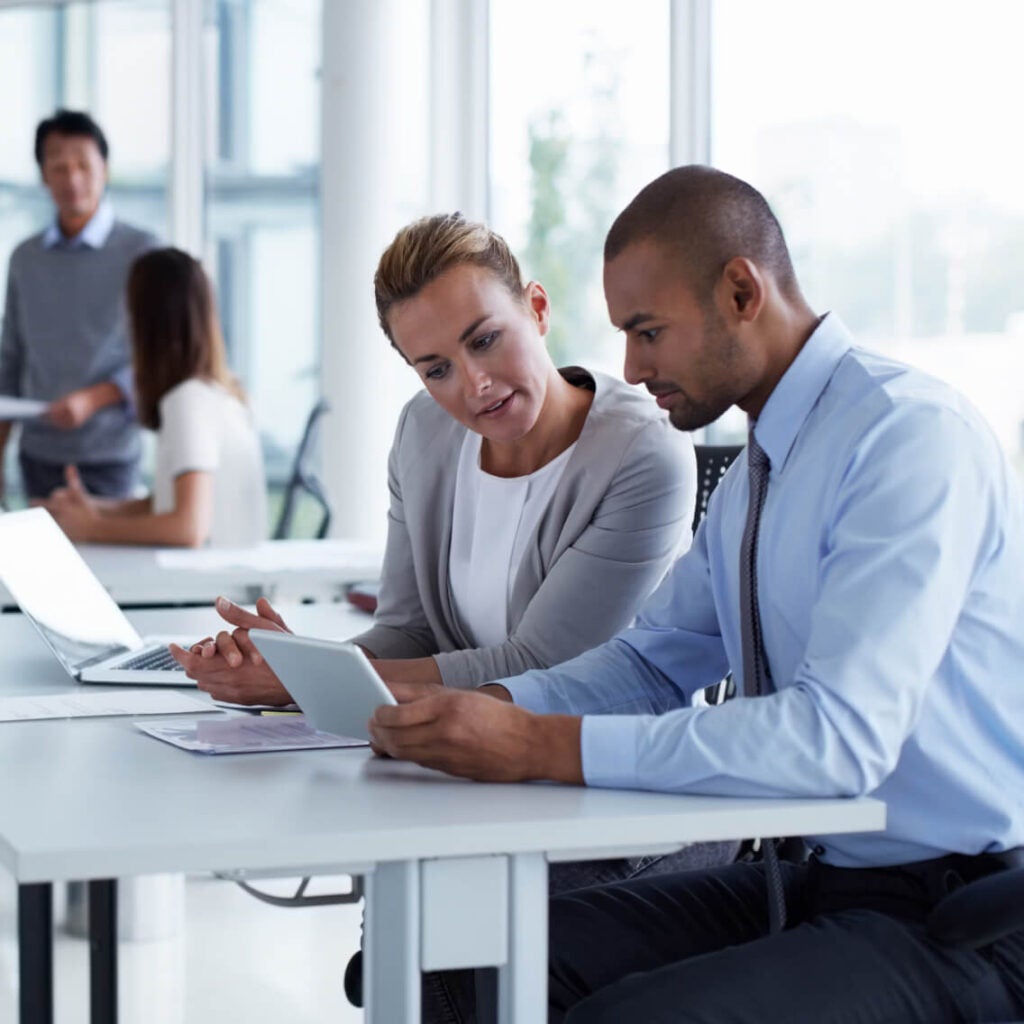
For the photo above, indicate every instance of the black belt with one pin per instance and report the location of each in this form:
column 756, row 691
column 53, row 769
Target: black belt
column 964, row 899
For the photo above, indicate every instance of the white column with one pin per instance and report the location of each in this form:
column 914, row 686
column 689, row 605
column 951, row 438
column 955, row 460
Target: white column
column 360, row 212
column 187, row 119
column 459, row 92
column 690, row 85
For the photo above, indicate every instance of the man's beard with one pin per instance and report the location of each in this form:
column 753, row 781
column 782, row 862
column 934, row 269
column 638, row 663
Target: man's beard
column 721, row 354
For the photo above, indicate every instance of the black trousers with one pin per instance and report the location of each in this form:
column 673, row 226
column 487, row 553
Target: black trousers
column 695, row 947
column 103, row 479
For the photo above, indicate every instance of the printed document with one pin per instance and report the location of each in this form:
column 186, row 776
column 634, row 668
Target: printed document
column 20, row 408
column 245, row 734
column 94, row 705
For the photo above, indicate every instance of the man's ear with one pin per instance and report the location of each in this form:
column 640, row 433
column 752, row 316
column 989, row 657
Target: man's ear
column 742, row 289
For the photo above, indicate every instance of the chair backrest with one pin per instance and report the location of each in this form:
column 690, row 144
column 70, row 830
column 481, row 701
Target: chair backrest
column 303, row 479
column 712, row 462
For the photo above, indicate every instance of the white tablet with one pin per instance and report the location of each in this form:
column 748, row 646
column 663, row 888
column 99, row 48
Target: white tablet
column 333, row 683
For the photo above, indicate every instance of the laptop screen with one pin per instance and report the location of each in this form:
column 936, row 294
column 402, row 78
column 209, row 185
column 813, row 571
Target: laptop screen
column 55, row 588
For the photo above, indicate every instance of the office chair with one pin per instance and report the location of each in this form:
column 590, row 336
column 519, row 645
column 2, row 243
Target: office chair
column 712, row 462
column 303, row 479
column 984, row 910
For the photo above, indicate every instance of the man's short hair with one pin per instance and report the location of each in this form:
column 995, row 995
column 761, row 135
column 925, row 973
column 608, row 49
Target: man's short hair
column 69, row 122
column 705, row 217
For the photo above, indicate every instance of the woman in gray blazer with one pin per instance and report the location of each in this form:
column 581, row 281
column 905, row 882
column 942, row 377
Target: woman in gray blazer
column 618, row 514
column 532, row 509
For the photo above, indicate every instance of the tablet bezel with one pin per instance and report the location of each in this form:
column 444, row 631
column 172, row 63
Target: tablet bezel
column 333, row 683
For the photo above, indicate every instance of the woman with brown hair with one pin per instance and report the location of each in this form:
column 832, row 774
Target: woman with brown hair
column 208, row 483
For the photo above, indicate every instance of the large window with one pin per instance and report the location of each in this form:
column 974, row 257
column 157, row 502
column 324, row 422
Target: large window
column 80, row 55
column 262, row 205
column 261, row 142
column 880, row 134
column 112, row 59
column 579, row 123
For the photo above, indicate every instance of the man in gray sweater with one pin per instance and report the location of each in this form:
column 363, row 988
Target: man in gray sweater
column 64, row 338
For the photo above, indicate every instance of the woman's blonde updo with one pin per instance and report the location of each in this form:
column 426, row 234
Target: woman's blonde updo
column 422, row 251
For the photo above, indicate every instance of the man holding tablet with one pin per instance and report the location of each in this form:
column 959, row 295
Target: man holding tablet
column 859, row 574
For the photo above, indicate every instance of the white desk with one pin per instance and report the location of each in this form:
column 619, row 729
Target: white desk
column 284, row 570
column 96, row 799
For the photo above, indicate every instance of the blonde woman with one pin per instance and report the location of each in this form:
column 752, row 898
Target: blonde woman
column 532, row 508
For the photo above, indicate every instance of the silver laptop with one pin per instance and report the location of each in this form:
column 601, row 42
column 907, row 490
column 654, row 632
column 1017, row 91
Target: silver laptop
column 74, row 614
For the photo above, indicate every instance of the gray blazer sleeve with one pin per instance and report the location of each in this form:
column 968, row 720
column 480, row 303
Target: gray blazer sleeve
column 596, row 583
column 400, row 628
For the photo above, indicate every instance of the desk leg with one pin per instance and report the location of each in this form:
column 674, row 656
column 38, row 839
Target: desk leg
column 391, row 947
column 523, row 980
column 103, row 951
column 35, row 949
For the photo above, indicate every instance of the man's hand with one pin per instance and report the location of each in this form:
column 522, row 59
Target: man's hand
column 229, row 667
column 473, row 735
column 77, row 407
column 72, row 410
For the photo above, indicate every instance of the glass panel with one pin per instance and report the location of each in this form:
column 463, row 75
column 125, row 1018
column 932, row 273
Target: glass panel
column 263, row 185
column 111, row 59
column 579, row 123
column 894, row 171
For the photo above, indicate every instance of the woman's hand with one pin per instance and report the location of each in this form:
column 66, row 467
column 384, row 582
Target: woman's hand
column 228, row 666
column 75, row 511
column 237, row 684
column 409, row 672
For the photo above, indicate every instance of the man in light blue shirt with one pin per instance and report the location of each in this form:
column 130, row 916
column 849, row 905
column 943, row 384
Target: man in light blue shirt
column 889, row 568
column 64, row 338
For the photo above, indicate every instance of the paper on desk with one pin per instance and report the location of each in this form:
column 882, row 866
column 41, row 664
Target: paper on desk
column 20, row 408
column 245, row 734
column 88, row 705
column 271, row 556
column 255, row 707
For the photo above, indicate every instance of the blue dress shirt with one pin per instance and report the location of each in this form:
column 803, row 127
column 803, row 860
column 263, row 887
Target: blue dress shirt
column 891, row 590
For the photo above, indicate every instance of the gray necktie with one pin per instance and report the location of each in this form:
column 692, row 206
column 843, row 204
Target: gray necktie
column 756, row 676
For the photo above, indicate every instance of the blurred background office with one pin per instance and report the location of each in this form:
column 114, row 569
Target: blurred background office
column 284, row 141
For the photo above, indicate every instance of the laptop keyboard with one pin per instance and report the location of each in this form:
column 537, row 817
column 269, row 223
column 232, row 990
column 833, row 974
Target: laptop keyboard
column 157, row 659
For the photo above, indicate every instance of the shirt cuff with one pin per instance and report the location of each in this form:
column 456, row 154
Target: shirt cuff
column 529, row 692
column 124, row 381
column 608, row 745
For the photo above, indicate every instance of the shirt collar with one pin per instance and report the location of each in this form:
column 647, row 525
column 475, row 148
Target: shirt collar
column 93, row 236
column 797, row 392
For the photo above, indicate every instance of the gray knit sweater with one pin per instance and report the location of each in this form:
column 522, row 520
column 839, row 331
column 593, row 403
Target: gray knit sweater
column 65, row 328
